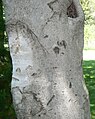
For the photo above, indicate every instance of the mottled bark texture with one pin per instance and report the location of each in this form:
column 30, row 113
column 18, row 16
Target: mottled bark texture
column 46, row 44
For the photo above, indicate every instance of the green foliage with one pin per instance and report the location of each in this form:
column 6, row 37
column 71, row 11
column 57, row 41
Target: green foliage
column 6, row 107
column 89, row 11
column 89, row 29
column 89, row 42
column 89, row 76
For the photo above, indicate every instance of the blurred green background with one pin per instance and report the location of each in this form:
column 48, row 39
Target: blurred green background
column 6, row 107
column 89, row 29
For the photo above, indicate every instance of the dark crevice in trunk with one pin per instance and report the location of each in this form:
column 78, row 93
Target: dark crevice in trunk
column 71, row 11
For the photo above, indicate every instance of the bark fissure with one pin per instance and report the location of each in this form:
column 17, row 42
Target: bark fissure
column 50, row 99
column 15, row 78
column 71, row 11
column 70, row 85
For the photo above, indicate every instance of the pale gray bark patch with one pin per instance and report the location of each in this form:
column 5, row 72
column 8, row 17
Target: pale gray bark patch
column 25, row 30
column 33, row 107
column 51, row 4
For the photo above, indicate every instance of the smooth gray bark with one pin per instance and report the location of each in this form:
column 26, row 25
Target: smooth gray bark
column 46, row 44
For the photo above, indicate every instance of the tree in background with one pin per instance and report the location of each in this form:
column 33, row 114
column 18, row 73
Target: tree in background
column 46, row 43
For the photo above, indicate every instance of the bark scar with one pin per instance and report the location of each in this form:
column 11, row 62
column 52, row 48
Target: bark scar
column 41, row 105
column 51, row 4
column 15, row 78
column 56, row 50
column 62, row 43
column 70, row 85
column 50, row 99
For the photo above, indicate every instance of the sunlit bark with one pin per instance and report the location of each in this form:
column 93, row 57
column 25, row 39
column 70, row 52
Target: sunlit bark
column 46, row 44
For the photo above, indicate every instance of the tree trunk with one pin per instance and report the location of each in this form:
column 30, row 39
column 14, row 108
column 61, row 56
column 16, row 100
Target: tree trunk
column 46, row 44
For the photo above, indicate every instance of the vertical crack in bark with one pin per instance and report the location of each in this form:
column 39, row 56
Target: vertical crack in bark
column 71, row 11
column 70, row 85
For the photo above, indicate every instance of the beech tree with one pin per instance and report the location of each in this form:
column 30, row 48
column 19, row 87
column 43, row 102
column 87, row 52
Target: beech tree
column 46, row 44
